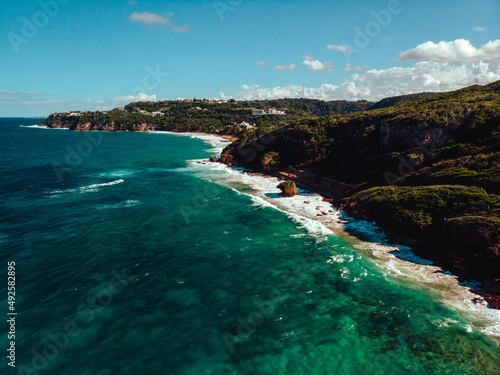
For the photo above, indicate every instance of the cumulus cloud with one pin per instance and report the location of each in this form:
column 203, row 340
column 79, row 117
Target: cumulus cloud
column 286, row 67
column 308, row 57
column 377, row 84
column 261, row 63
column 459, row 50
column 150, row 19
column 338, row 47
column 317, row 66
column 477, row 28
column 137, row 98
column 351, row 68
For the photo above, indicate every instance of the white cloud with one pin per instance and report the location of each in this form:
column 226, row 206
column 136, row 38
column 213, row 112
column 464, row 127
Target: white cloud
column 460, row 50
column 477, row 28
column 377, row 84
column 16, row 95
column 131, row 98
column 222, row 96
column 261, row 63
column 308, row 57
column 317, row 66
column 351, row 68
column 286, row 67
column 150, row 19
column 181, row 29
column 338, row 47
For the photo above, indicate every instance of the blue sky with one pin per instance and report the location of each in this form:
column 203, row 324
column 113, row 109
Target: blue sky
column 60, row 55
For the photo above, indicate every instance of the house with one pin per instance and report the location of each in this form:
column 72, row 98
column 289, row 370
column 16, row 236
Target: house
column 261, row 112
column 245, row 125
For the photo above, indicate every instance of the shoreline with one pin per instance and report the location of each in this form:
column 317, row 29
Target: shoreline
column 470, row 299
column 397, row 260
column 418, row 246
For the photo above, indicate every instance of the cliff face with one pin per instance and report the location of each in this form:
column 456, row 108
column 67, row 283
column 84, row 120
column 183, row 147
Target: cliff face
column 74, row 122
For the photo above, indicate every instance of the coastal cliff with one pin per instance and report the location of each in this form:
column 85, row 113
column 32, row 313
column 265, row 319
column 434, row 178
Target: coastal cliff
column 427, row 171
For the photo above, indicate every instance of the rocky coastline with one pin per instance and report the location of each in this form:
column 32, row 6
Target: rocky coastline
column 464, row 266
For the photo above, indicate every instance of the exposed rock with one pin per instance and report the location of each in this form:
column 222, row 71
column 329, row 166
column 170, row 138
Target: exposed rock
column 213, row 159
column 288, row 188
column 492, row 299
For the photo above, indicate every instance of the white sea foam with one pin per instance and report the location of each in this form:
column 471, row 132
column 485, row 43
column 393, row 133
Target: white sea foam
column 218, row 143
column 124, row 204
column 40, row 127
column 117, row 173
column 320, row 219
column 85, row 189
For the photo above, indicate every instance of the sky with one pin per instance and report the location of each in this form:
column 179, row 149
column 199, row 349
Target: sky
column 65, row 55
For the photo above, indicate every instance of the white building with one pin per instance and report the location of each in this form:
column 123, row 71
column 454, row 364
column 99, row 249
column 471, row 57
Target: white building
column 261, row 112
column 246, row 125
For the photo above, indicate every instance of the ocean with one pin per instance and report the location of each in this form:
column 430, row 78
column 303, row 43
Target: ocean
column 135, row 255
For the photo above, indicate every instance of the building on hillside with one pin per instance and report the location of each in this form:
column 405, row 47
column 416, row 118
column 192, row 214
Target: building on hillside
column 245, row 125
column 258, row 112
column 262, row 112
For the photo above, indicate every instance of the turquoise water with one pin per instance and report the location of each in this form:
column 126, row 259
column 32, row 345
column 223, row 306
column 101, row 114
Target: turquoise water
column 128, row 262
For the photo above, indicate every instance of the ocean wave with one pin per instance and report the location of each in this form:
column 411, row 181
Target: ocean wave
column 124, row 204
column 40, row 127
column 320, row 218
column 117, row 173
column 85, row 189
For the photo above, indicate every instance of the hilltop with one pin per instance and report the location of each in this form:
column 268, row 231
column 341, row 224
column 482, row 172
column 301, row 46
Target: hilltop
column 219, row 117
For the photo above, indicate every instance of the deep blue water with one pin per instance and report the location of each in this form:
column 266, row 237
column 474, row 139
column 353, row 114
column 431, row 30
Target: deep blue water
column 129, row 262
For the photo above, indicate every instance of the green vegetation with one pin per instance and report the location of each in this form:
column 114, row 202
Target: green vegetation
column 426, row 166
column 204, row 116
column 449, row 138
column 429, row 208
column 288, row 188
column 427, row 170
column 271, row 161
